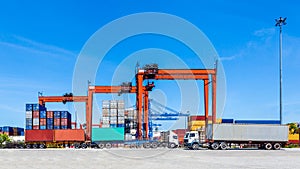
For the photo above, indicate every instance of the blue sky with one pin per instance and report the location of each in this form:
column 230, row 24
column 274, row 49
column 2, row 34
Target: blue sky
column 40, row 43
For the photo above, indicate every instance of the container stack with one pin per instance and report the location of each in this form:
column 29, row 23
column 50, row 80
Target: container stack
column 65, row 120
column 12, row 131
column 121, row 113
column 113, row 113
column 105, row 114
column 198, row 122
column 35, row 116
column 130, row 121
column 50, row 120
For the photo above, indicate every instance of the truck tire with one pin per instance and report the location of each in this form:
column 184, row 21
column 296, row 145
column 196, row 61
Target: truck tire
column 215, row 146
column 172, row 145
column 133, row 146
column 154, row 145
column 28, row 146
column 42, row 146
column 35, row 146
column 101, row 145
column 277, row 146
column 223, row 146
column 77, row 146
column 195, row 146
column 146, row 145
column 83, row 145
column 268, row 146
column 108, row 145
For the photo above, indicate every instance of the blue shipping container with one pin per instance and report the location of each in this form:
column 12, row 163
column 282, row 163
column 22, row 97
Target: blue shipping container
column 227, row 120
column 28, row 107
column 22, row 133
column 65, row 127
column 0, row 129
column 113, row 125
column 42, row 108
column 257, row 121
column 56, row 114
column 56, row 127
column 7, row 129
column 65, row 114
column 43, row 114
column 43, row 127
column 50, row 121
column 28, row 121
column 120, row 125
column 49, row 126
column 28, row 127
column 35, row 107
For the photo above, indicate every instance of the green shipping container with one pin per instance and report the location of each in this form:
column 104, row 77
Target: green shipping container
column 108, row 134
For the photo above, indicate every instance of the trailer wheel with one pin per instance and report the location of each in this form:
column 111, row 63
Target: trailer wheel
column 133, row 146
column 268, row 146
column 101, row 145
column 223, row 146
column 154, row 145
column 172, row 145
column 34, row 146
column 42, row 146
column 77, row 146
column 83, row 145
column 195, row 146
column 215, row 146
column 146, row 145
column 277, row 146
column 108, row 145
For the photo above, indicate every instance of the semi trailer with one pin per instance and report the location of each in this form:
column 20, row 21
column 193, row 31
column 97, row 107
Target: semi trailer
column 223, row 136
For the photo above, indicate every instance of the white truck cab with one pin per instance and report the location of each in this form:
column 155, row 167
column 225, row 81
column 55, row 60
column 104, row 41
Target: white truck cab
column 193, row 140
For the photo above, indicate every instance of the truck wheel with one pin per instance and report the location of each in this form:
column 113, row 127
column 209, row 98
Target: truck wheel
column 268, row 146
column 101, row 145
column 28, row 146
column 154, row 145
column 77, row 146
column 42, row 146
column 195, row 146
column 277, row 146
column 223, row 146
column 215, row 146
column 108, row 145
column 172, row 145
column 146, row 145
column 34, row 146
column 83, row 145
column 133, row 146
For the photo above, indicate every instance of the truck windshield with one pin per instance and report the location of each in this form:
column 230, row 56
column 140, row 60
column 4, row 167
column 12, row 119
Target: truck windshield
column 175, row 137
column 192, row 135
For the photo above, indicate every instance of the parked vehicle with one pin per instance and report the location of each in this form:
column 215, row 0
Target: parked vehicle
column 223, row 136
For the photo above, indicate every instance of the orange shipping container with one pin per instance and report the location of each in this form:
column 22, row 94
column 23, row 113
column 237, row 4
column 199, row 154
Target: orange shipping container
column 36, row 114
column 49, row 114
column 38, row 135
column 43, row 122
column 69, row 135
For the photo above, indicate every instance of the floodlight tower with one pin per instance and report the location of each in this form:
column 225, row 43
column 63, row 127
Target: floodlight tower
column 280, row 22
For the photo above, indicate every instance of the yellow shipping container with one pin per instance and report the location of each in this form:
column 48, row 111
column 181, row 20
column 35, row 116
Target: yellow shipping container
column 195, row 128
column 293, row 136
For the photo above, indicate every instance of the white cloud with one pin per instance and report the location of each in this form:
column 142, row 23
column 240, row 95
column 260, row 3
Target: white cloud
column 21, row 43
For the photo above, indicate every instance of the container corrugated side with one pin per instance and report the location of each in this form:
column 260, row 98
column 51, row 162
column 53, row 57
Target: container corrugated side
column 108, row 134
column 69, row 135
column 38, row 135
column 236, row 132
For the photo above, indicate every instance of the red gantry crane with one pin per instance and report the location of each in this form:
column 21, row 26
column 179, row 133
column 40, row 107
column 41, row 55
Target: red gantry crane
column 152, row 72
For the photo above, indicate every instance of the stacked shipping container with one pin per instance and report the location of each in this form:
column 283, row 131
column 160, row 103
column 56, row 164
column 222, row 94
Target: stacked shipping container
column 12, row 131
column 113, row 113
column 38, row 118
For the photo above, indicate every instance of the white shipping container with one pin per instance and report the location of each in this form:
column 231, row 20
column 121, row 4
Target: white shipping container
column 113, row 122
column 28, row 114
column 105, row 112
column 113, row 104
column 121, row 104
column 105, row 104
column 113, row 112
column 105, row 125
column 251, row 132
column 121, row 112
column 105, row 118
column 36, row 121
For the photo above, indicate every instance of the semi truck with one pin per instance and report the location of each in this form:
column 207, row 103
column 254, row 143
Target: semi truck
column 223, row 136
column 101, row 138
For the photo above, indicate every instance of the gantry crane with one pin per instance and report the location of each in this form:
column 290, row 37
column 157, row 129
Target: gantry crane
column 207, row 75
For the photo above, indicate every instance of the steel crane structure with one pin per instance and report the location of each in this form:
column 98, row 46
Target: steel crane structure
column 207, row 75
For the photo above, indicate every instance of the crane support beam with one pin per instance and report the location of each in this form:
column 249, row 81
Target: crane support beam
column 181, row 77
column 186, row 71
column 44, row 99
column 112, row 89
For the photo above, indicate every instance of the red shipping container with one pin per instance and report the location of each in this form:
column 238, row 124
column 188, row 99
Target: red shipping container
column 43, row 122
column 199, row 118
column 64, row 122
column 36, row 114
column 69, row 135
column 56, row 122
column 49, row 114
column 39, row 135
column 36, row 127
